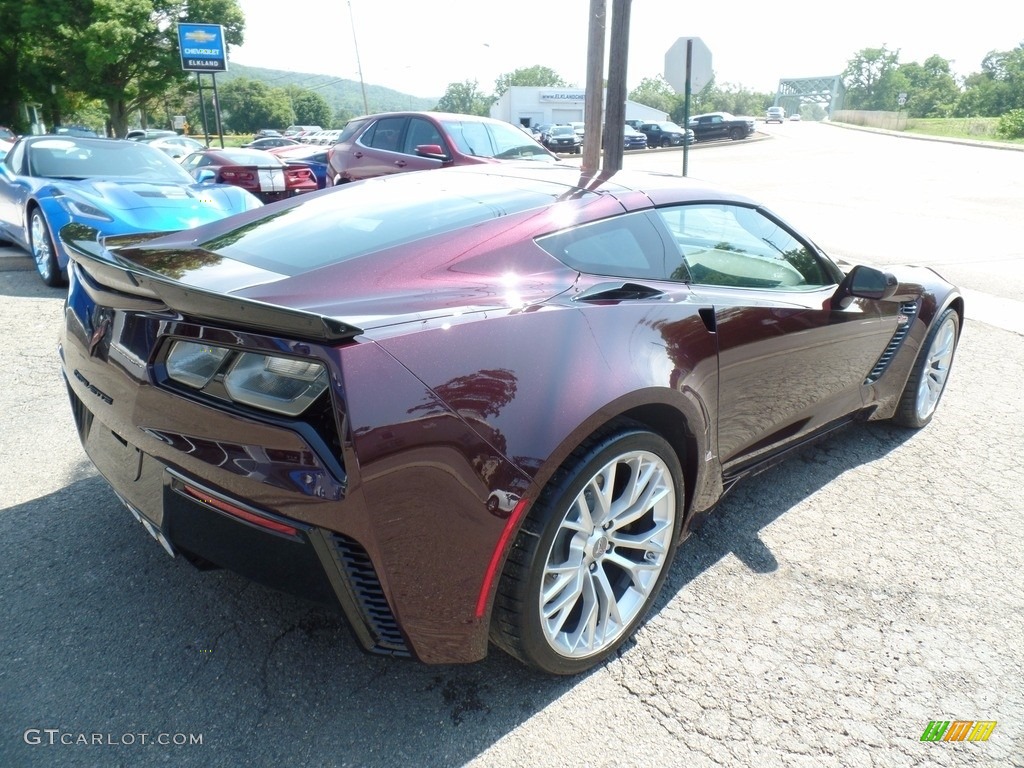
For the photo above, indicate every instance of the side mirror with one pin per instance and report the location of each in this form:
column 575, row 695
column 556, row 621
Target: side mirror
column 206, row 176
column 434, row 151
column 865, row 282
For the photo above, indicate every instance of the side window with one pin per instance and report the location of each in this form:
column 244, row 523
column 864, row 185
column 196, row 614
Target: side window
column 351, row 127
column 385, row 134
column 15, row 160
column 732, row 245
column 623, row 246
column 420, row 132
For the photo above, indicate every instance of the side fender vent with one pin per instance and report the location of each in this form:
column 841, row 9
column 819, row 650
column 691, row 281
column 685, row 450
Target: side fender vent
column 905, row 318
column 369, row 595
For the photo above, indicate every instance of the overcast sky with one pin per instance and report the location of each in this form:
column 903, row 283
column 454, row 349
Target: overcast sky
column 419, row 47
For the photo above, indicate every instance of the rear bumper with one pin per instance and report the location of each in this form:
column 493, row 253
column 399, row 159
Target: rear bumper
column 207, row 527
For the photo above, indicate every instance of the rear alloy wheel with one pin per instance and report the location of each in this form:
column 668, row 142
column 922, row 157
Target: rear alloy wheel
column 928, row 379
column 43, row 251
column 592, row 554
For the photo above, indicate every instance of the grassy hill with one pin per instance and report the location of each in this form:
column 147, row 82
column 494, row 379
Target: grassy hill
column 336, row 91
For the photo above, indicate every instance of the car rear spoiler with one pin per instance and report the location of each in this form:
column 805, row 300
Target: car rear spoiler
column 119, row 283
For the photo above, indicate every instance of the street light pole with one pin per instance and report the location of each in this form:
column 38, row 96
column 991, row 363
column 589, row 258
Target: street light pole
column 359, row 66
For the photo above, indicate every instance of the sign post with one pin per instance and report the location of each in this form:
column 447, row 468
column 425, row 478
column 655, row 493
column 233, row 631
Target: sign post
column 687, row 67
column 202, row 49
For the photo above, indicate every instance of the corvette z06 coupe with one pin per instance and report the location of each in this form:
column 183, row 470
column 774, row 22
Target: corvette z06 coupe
column 115, row 186
column 481, row 405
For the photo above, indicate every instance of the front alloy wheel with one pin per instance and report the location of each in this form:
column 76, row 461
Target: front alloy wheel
column 43, row 251
column 592, row 554
column 930, row 373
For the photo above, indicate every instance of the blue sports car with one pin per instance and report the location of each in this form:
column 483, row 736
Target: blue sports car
column 116, row 187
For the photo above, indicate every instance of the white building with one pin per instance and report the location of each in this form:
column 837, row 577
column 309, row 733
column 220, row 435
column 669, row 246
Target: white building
column 530, row 105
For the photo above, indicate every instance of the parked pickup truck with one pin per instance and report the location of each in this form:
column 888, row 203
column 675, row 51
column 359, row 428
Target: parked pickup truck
column 721, row 125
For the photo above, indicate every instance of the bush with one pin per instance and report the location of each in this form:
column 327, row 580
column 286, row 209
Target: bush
column 1011, row 125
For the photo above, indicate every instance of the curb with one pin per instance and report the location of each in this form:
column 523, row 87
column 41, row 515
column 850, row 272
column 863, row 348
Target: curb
column 925, row 137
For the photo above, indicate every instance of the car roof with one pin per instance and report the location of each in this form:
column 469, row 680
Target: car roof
column 436, row 115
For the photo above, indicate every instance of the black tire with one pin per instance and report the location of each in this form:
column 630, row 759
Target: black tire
column 43, row 252
column 736, row 134
column 665, row 142
column 930, row 374
column 581, row 559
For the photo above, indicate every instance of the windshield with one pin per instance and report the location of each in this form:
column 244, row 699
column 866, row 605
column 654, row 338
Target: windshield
column 502, row 141
column 563, row 130
column 69, row 158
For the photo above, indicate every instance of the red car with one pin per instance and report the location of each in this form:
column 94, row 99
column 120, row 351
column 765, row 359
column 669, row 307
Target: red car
column 484, row 405
column 394, row 142
column 255, row 170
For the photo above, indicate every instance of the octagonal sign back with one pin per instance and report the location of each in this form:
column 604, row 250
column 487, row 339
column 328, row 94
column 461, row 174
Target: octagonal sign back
column 700, row 65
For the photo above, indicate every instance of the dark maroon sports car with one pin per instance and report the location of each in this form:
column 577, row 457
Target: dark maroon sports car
column 483, row 404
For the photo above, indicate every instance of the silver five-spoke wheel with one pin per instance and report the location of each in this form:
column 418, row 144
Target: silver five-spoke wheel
column 592, row 552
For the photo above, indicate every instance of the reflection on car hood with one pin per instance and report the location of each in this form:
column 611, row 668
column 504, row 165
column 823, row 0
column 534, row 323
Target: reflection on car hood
column 156, row 205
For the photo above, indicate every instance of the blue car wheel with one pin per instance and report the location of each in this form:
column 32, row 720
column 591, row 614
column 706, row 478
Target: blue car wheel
column 43, row 251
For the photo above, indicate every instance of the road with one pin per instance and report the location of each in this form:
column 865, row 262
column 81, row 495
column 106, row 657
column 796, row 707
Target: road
column 831, row 608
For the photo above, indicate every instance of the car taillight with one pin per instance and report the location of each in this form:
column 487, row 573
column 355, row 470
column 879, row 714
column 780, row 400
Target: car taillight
column 298, row 176
column 240, row 177
column 283, row 385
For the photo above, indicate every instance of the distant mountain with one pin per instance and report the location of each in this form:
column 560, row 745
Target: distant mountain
column 336, row 91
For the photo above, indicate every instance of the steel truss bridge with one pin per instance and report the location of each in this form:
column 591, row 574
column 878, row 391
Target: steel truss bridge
column 827, row 92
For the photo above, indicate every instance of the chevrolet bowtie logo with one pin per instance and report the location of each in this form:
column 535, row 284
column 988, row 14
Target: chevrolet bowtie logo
column 200, row 36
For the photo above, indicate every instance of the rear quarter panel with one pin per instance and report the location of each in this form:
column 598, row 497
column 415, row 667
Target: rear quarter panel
column 495, row 404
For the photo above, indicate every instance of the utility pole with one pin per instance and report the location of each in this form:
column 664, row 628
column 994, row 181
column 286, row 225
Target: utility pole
column 615, row 109
column 595, row 88
column 359, row 65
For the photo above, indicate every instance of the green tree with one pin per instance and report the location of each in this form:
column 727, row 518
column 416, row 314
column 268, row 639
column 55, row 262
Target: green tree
column 311, row 109
column 656, row 93
column 124, row 52
column 873, row 80
column 14, row 61
column 931, row 89
column 464, row 98
column 249, row 105
column 998, row 88
column 537, row 75
column 342, row 116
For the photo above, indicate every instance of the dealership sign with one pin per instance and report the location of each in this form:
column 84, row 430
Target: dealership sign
column 202, row 48
column 563, row 96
